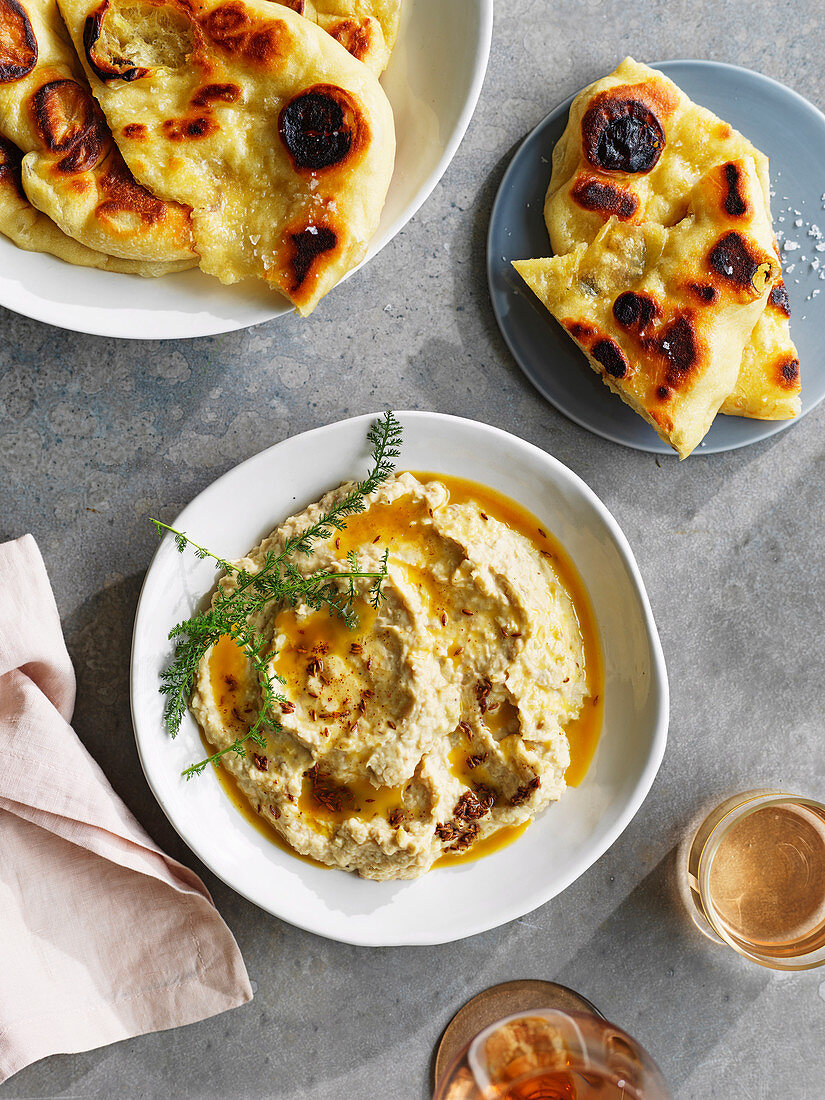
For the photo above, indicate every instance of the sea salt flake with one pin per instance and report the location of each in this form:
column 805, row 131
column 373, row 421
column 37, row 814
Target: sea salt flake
column 798, row 223
column 790, row 246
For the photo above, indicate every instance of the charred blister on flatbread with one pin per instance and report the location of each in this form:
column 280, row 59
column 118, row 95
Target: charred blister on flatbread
column 10, row 160
column 226, row 24
column 18, row 45
column 706, row 293
column 580, row 331
column 322, row 127
column 787, row 373
column 69, row 121
column 735, row 203
column 307, row 245
column 622, row 135
column 125, row 199
column 636, row 311
column 135, row 131
column 779, row 299
column 604, row 198
column 265, row 45
column 356, row 37
column 232, row 29
column 103, row 66
column 612, row 358
column 739, row 264
column 189, row 128
column 215, row 93
column 679, row 345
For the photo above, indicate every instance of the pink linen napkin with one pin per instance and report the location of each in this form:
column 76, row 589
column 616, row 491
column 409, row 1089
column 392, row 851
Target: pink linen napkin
column 102, row 936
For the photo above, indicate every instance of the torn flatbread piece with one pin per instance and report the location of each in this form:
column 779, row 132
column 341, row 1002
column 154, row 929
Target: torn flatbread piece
column 633, row 149
column 368, row 29
column 71, row 169
column 33, row 231
column 663, row 313
column 769, row 381
column 281, row 142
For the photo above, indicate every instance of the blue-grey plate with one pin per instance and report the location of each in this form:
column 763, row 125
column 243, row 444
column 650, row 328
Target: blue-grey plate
column 791, row 131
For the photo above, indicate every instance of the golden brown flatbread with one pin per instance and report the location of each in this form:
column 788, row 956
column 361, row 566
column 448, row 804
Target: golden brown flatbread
column 634, row 147
column 71, row 169
column 33, row 231
column 280, row 141
column 769, row 381
column 664, row 313
column 368, row 29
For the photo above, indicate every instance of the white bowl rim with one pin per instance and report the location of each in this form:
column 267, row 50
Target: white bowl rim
column 659, row 687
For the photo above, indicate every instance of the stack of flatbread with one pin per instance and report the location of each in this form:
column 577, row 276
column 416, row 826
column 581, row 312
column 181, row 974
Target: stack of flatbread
column 666, row 269
column 248, row 137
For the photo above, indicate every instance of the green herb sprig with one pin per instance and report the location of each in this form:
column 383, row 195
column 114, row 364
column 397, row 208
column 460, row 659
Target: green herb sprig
column 277, row 580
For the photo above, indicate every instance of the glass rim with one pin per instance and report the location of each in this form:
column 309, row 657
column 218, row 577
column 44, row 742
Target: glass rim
column 752, row 801
column 581, row 1022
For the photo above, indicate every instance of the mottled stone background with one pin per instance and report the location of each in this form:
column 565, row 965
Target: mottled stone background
column 96, row 434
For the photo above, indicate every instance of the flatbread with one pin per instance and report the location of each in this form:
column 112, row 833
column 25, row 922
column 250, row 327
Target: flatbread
column 33, row 231
column 664, row 313
column 634, row 147
column 769, row 379
column 280, row 141
column 368, row 29
column 71, row 169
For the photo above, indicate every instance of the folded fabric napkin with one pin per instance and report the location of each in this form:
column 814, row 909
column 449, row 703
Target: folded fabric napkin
column 102, row 936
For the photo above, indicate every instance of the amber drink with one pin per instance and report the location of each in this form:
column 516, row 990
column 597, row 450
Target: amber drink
column 547, row 1054
column 756, row 873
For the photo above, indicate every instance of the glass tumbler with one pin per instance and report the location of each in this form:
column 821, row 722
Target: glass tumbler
column 753, row 876
column 547, row 1054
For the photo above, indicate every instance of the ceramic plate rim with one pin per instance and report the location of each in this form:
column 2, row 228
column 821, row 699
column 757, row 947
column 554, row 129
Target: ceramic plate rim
column 60, row 316
column 659, row 691
column 762, row 429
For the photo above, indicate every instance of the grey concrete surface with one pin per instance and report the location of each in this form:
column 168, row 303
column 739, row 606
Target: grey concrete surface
column 95, row 435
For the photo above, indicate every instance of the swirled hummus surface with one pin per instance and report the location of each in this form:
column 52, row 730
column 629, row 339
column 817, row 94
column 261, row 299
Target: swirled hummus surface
column 440, row 719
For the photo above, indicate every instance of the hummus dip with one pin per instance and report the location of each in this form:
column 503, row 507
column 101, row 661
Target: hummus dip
column 440, row 719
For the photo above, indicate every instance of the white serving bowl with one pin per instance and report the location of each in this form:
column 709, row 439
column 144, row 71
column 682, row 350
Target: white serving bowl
column 433, row 81
column 233, row 514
